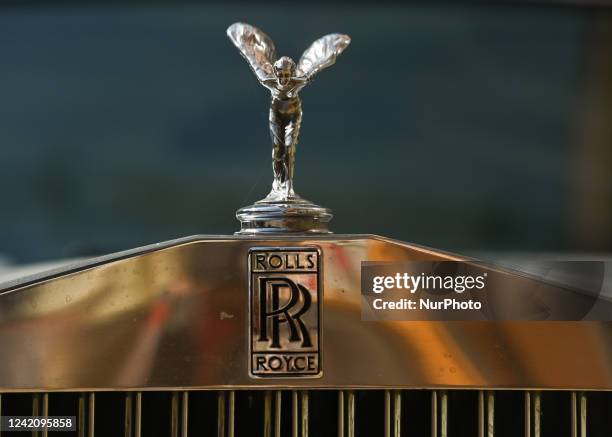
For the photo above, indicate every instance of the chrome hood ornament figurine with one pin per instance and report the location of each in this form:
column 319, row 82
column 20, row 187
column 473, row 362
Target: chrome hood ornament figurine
column 283, row 210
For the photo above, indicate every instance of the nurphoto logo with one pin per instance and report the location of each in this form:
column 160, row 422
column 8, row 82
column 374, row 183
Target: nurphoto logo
column 285, row 298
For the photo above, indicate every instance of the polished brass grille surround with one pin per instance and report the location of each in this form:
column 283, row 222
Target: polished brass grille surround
column 170, row 321
column 175, row 315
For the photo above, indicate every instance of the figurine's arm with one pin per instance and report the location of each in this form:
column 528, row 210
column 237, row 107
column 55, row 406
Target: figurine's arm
column 270, row 84
column 301, row 80
column 298, row 83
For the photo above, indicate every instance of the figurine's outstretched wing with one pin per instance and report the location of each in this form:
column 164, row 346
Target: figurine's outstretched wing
column 321, row 54
column 256, row 47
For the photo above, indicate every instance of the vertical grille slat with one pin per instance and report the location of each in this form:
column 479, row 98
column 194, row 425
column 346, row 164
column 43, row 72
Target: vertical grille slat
column 230, row 427
column 128, row 415
column 185, row 414
column 81, row 415
column 221, row 414
column 481, row 414
column 267, row 414
column 486, row 413
column 35, row 404
column 574, row 415
column 537, row 414
column 443, row 414
column 397, row 413
column 340, row 413
column 174, row 415
column 434, row 414
column 91, row 416
column 35, row 410
column 278, row 416
column 350, row 426
column 138, row 416
column 305, row 400
column 490, row 414
column 387, row 413
column 583, row 414
column 45, row 410
column 527, row 414
column 294, row 413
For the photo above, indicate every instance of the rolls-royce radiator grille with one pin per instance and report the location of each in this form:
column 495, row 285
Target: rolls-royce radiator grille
column 300, row 413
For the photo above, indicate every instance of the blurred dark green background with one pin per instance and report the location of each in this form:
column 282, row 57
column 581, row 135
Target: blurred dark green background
column 463, row 127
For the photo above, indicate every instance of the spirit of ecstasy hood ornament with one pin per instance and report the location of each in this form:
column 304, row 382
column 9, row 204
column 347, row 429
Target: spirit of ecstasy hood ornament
column 283, row 210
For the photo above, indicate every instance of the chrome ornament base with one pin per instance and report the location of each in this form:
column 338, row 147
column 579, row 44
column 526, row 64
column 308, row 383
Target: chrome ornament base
column 291, row 215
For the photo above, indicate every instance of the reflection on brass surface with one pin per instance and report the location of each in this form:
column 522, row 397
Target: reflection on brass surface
column 176, row 316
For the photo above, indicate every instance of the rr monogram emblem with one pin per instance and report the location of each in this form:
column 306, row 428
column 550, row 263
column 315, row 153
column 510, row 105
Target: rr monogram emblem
column 280, row 315
column 285, row 311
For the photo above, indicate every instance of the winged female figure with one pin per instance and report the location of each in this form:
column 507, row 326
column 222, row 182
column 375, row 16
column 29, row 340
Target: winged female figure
column 284, row 79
